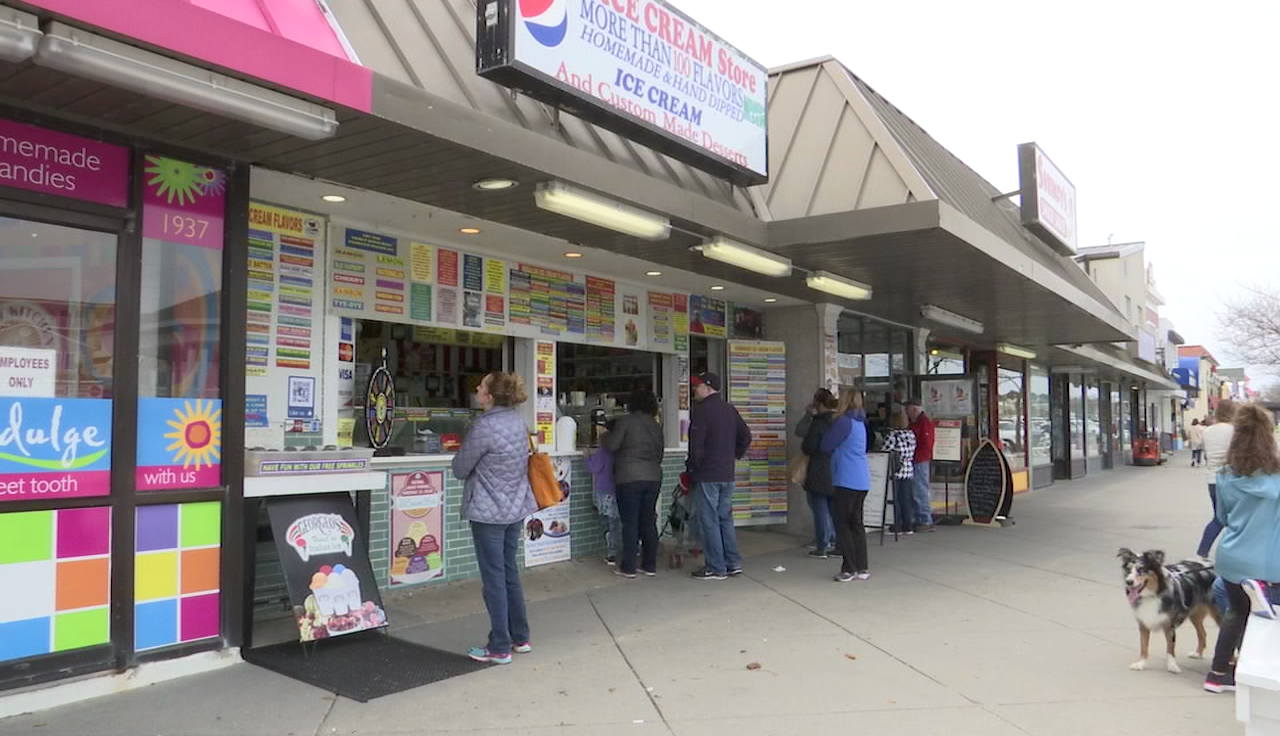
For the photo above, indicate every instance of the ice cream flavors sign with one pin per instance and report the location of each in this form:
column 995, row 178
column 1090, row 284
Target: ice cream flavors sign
column 331, row 583
column 417, row 527
column 53, row 448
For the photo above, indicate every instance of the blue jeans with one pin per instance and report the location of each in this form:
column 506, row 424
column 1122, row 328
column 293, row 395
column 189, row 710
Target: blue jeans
column 904, row 503
column 637, row 508
column 496, row 547
column 715, row 518
column 1214, row 527
column 923, row 495
column 824, row 528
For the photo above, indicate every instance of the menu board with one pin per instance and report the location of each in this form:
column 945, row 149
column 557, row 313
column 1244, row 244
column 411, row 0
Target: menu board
column 707, row 316
column 545, row 402
column 988, row 484
column 601, row 303
column 661, row 321
column 876, row 511
column 758, row 389
column 680, row 306
column 948, row 440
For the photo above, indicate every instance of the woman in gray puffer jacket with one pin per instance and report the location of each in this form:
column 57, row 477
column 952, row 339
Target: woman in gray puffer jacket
column 494, row 467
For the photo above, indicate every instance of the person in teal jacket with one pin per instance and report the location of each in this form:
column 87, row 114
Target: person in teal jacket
column 1248, row 505
column 846, row 442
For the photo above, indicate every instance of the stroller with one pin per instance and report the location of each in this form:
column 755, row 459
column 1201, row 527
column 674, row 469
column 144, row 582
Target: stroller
column 682, row 524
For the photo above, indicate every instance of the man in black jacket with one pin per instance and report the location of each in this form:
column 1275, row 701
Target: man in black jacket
column 718, row 438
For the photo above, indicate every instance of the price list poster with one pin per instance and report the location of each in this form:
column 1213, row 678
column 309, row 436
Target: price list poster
column 758, row 389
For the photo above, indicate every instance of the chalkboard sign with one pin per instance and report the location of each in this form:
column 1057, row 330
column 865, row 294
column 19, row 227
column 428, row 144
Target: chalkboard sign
column 988, row 484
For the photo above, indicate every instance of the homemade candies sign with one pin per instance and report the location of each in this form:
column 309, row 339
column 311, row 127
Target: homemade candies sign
column 54, row 448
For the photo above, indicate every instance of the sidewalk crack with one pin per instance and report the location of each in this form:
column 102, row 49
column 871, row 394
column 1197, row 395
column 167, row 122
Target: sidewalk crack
column 640, row 680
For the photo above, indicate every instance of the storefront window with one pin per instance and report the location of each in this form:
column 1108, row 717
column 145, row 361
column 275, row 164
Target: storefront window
column 944, row 360
column 595, row 383
column 179, row 397
column 1093, row 421
column 1040, row 418
column 1116, row 421
column 1077, row 420
column 1013, row 428
column 1126, row 419
column 900, row 351
column 875, row 346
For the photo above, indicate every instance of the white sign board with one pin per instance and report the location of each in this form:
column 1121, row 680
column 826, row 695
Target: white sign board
column 1048, row 198
column 28, row 372
column 875, row 512
column 947, row 440
column 646, row 61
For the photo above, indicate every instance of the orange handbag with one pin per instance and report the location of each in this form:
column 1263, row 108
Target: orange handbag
column 542, row 478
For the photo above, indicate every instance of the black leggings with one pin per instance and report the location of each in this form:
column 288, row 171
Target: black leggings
column 1231, row 634
column 851, row 535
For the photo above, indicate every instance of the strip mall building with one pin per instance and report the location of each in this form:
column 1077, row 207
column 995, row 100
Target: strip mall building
column 210, row 242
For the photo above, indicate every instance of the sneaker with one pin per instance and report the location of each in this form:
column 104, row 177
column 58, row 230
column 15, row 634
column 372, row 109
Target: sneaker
column 1260, row 602
column 926, row 528
column 864, row 575
column 845, row 577
column 820, row 554
column 650, row 573
column 707, row 574
column 611, row 560
column 482, row 654
column 735, row 572
column 523, row 647
column 627, row 575
column 1216, row 682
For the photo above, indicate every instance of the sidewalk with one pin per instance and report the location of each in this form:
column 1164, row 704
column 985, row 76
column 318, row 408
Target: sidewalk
column 998, row 632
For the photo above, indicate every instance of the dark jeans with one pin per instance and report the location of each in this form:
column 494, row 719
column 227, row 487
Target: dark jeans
column 715, row 519
column 824, row 531
column 496, row 547
column 851, row 535
column 1214, row 527
column 1232, row 632
column 637, row 507
column 904, row 503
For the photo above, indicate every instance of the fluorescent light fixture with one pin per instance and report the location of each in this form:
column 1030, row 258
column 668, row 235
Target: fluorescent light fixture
column 469, row 230
column 770, row 299
column 1058, row 369
column 951, row 319
column 717, row 287
column 573, row 254
column 1016, row 351
column 334, row 198
column 837, row 285
column 602, row 211
column 652, row 273
column 102, row 59
column 744, row 256
column 19, row 35
column 494, row 185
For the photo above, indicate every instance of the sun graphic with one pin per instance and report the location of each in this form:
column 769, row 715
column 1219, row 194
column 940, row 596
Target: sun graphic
column 176, row 179
column 196, row 435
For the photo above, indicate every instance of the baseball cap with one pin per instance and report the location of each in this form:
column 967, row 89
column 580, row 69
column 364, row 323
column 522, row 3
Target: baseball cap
column 708, row 378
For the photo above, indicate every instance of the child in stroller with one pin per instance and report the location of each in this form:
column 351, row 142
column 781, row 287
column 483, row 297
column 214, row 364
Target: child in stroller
column 682, row 524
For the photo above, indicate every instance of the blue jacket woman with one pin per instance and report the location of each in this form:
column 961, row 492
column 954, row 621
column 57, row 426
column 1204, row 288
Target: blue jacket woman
column 1248, row 505
column 846, row 442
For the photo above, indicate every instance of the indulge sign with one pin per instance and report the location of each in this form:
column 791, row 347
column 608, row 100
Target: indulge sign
column 50, row 162
column 639, row 67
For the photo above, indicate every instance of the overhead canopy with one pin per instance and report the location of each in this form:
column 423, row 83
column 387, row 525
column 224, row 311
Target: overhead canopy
column 1111, row 361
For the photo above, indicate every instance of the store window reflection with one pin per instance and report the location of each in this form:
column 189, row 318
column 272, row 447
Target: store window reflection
column 1093, row 422
column 57, row 309
column 1076, row 400
column 1013, row 430
column 1040, row 418
column 943, row 361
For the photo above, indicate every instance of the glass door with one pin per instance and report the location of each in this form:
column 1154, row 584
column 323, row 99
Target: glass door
column 58, row 324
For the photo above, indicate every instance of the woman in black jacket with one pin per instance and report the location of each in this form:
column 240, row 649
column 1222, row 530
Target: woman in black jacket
column 817, row 479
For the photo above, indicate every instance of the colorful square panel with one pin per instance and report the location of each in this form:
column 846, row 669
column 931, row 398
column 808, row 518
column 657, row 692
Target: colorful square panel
column 201, row 524
column 157, row 527
column 83, row 583
column 25, row 638
column 156, row 575
column 30, row 590
column 27, row 535
column 81, row 629
column 200, row 569
column 84, row 532
column 155, row 624
column 200, row 617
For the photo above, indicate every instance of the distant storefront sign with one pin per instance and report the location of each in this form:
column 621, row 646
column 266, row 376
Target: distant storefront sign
column 1048, row 199
column 640, row 68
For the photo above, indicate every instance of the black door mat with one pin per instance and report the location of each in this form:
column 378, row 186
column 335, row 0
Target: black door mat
column 362, row 666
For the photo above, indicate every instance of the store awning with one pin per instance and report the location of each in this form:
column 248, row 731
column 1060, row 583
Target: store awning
column 1106, row 361
column 859, row 189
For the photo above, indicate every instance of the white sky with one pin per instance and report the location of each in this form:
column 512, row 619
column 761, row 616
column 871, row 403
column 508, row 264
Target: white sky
column 1164, row 115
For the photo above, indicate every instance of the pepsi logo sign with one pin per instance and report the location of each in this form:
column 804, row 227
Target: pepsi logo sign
column 546, row 20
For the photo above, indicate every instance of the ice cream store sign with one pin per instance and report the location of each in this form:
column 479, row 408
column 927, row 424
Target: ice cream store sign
column 321, row 534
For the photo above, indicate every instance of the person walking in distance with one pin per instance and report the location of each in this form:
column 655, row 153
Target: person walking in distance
column 718, row 438
column 846, row 442
column 922, row 428
column 1217, row 441
column 1195, row 438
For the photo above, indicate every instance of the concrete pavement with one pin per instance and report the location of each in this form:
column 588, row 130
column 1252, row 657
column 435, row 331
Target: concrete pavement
column 998, row 632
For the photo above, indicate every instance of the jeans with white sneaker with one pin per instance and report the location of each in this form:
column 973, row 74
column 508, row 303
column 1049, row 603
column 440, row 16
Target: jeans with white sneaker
column 715, row 518
column 496, row 546
column 923, row 494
